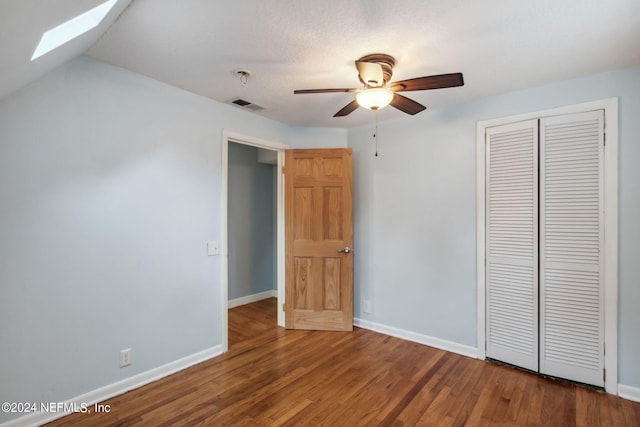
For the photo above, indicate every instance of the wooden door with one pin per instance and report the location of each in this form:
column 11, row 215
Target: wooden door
column 318, row 239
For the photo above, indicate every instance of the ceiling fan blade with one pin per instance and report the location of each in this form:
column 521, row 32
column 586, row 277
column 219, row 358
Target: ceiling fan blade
column 297, row 92
column 406, row 105
column 348, row 109
column 430, row 82
column 370, row 73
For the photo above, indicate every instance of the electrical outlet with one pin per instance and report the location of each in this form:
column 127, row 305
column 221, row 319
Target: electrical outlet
column 125, row 357
column 366, row 306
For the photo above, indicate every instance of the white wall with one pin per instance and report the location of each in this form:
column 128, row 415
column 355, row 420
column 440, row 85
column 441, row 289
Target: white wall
column 109, row 187
column 414, row 209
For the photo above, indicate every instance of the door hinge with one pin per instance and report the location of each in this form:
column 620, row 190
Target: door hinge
column 283, row 169
column 604, row 375
column 283, row 306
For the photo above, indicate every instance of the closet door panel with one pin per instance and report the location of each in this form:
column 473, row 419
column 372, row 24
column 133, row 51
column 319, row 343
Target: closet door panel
column 571, row 235
column 512, row 244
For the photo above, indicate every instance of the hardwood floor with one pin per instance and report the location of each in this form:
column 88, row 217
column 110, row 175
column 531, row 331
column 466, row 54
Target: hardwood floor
column 273, row 377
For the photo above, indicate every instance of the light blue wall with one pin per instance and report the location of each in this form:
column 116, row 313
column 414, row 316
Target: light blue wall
column 414, row 210
column 110, row 187
column 303, row 137
column 252, row 258
column 109, row 190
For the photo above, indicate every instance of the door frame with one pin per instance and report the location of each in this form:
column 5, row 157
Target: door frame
column 610, row 107
column 228, row 136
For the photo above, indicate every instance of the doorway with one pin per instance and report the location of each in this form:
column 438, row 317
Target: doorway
column 252, row 242
column 251, row 224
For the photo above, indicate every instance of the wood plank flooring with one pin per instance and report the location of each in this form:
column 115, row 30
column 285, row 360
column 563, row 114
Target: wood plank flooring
column 274, row 377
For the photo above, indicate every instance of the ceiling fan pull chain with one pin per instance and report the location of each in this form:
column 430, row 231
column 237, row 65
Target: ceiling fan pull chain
column 375, row 135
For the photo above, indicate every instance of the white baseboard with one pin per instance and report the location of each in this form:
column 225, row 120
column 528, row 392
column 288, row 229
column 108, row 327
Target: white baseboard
column 453, row 347
column 252, row 298
column 117, row 388
column 628, row 392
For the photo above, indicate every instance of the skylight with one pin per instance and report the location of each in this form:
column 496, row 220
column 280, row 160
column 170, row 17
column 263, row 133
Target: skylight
column 73, row 28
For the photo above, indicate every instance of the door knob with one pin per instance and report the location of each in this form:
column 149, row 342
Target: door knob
column 345, row 250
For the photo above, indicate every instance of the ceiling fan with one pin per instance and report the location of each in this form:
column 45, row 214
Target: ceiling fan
column 375, row 71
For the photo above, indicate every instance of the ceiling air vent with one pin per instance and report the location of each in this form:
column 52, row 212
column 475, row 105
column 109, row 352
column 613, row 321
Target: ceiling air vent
column 246, row 104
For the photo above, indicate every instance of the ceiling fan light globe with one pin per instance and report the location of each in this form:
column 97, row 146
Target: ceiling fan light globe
column 374, row 99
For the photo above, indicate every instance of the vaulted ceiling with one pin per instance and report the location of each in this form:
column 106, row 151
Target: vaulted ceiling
column 499, row 46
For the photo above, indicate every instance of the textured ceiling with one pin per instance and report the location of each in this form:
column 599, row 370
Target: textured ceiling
column 499, row 45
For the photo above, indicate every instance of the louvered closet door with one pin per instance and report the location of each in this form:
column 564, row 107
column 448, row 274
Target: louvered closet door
column 571, row 235
column 512, row 243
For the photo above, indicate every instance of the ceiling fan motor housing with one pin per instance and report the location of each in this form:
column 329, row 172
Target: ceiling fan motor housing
column 385, row 61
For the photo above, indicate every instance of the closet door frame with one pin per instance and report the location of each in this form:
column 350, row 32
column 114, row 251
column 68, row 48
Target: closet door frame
column 610, row 107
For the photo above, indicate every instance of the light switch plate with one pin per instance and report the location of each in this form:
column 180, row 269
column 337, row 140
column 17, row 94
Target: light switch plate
column 212, row 248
